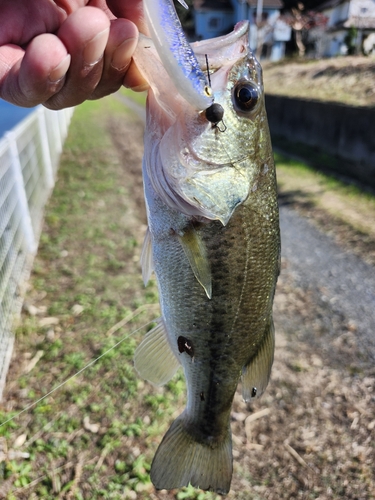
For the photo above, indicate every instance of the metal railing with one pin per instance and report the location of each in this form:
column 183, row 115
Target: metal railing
column 29, row 156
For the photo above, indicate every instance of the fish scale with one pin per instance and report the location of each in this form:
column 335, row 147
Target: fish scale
column 226, row 330
column 214, row 244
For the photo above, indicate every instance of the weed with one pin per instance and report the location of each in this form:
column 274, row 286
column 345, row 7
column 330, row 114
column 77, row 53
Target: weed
column 191, row 493
column 303, row 186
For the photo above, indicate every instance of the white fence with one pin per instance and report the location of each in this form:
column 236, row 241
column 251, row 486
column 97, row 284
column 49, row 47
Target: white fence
column 29, row 156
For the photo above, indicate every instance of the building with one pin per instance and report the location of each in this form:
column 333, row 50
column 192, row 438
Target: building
column 213, row 18
column 268, row 33
column 350, row 24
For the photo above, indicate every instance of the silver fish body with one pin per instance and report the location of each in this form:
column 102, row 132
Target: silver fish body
column 214, row 244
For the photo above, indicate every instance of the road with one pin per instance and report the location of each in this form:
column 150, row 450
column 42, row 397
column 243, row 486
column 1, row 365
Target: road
column 340, row 282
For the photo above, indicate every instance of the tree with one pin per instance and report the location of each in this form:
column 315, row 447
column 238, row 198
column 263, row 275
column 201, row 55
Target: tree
column 301, row 21
column 350, row 40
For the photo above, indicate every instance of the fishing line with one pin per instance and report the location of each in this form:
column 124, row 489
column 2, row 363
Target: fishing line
column 112, row 330
column 118, row 325
column 208, row 70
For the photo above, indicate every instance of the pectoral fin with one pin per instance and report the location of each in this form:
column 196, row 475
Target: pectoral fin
column 154, row 359
column 147, row 262
column 256, row 373
column 196, row 253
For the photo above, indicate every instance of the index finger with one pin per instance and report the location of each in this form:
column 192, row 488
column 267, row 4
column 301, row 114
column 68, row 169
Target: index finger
column 130, row 9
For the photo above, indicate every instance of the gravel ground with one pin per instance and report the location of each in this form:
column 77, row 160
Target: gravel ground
column 335, row 277
column 311, row 435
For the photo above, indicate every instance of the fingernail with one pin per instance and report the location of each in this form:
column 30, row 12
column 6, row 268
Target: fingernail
column 94, row 49
column 60, row 71
column 121, row 56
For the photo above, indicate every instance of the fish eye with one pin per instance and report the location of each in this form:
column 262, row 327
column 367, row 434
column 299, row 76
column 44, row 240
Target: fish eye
column 245, row 96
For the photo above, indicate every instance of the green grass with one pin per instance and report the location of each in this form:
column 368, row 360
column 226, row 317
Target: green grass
column 86, row 257
column 305, row 186
column 347, row 80
column 138, row 97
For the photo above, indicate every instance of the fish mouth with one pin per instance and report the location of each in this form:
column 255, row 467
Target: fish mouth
column 220, row 42
column 224, row 49
column 189, row 175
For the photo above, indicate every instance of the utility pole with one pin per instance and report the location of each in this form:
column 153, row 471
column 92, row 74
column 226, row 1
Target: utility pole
column 260, row 34
column 259, row 11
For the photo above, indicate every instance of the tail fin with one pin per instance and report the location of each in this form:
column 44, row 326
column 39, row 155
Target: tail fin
column 181, row 460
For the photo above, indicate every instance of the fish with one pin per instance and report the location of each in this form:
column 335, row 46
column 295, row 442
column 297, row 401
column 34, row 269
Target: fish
column 213, row 241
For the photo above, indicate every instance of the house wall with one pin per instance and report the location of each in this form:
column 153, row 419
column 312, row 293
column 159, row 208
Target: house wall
column 339, row 14
column 346, row 132
column 359, row 11
column 329, row 14
column 212, row 23
column 362, row 8
column 240, row 10
column 272, row 16
column 334, row 44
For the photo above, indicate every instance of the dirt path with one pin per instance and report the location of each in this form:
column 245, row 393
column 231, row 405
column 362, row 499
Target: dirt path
column 340, row 282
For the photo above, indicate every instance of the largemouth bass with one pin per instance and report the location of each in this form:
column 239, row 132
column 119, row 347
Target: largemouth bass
column 214, row 244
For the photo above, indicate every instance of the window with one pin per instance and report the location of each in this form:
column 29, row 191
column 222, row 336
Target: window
column 214, row 23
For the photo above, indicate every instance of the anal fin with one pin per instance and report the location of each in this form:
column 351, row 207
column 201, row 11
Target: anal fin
column 154, row 359
column 196, row 253
column 256, row 374
column 181, row 459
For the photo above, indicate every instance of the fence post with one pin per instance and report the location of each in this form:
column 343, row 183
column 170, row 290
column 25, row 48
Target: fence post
column 48, row 170
column 56, row 132
column 21, row 193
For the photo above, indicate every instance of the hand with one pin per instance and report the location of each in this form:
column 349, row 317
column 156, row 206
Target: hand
column 60, row 53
